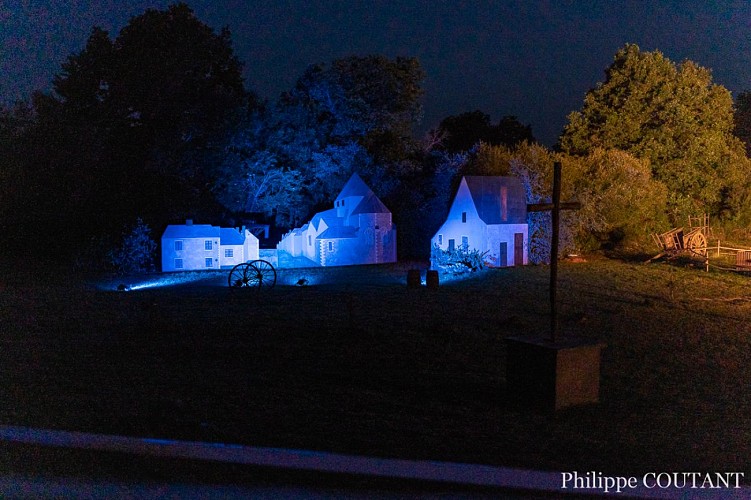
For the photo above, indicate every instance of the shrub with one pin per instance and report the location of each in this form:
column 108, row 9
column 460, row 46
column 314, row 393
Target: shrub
column 457, row 261
column 136, row 253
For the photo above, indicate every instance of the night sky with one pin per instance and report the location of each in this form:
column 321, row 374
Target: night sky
column 535, row 60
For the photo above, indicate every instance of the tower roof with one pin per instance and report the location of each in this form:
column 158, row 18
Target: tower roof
column 370, row 204
column 355, row 186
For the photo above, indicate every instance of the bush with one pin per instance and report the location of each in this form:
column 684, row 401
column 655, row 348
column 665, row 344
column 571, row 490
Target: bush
column 136, row 253
column 457, row 261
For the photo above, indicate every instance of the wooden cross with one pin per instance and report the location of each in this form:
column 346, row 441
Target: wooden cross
column 555, row 209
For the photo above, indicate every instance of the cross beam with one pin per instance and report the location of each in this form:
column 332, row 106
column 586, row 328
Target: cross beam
column 555, row 209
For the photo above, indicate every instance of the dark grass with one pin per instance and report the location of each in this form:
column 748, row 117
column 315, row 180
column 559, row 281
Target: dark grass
column 365, row 366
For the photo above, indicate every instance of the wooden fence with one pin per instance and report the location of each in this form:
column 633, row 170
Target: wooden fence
column 742, row 255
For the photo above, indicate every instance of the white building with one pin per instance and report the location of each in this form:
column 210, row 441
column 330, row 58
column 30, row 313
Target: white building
column 195, row 247
column 488, row 214
column 358, row 230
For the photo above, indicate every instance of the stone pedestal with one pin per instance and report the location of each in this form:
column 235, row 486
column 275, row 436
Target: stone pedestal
column 550, row 376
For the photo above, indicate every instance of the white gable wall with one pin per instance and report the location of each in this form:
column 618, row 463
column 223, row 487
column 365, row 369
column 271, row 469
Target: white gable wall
column 309, row 240
column 240, row 253
column 454, row 229
column 480, row 236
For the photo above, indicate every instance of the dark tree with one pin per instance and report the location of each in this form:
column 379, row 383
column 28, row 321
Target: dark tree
column 464, row 131
column 510, row 132
column 131, row 124
column 174, row 81
column 742, row 119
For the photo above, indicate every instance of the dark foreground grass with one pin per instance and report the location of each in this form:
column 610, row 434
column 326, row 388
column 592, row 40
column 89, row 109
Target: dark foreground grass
column 367, row 366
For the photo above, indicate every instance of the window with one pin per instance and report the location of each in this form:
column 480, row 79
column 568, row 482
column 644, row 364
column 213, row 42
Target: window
column 331, row 246
column 440, row 239
column 464, row 216
column 207, row 245
column 209, row 262
column 178, row 263
column 310, row 240
column 465, row 243
column 178, row 245
column 229, row 253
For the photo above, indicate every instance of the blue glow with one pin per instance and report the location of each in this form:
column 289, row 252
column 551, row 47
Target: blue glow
column 172, row 279
column 299, row 278
column 357, row 230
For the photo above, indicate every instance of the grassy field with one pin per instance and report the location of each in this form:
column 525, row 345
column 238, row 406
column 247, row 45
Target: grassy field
column 358, row 363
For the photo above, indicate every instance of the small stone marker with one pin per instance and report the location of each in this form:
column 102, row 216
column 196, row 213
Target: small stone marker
column 545, row 372
column 432, row 279
column 414, row 278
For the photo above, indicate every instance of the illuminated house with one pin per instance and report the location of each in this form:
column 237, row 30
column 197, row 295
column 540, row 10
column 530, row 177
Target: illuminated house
column 488, row 214
column 196, row 247
column 358, row 230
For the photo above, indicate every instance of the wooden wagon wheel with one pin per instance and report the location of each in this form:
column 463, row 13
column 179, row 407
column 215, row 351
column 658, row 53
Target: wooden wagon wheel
column 255, row 274
column 697, row 243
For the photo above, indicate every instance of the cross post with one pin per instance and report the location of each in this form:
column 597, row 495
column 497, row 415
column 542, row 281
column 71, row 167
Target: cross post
column 555, row 209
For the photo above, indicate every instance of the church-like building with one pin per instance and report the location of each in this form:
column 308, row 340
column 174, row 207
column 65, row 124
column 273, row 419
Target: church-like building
column 358, row 230
column 488, row 214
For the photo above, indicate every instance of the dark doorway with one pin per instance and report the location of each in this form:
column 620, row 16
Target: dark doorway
column 503, row 255
column 518, row 249
column 451, row 245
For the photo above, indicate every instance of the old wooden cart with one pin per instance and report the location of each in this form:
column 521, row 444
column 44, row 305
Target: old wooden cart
column 691, row 242
column 252, row 274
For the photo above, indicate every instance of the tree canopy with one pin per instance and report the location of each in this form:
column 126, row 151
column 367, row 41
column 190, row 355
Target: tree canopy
column 129, row 122
column 673, row 116
column 463, row 131
column 351, row 115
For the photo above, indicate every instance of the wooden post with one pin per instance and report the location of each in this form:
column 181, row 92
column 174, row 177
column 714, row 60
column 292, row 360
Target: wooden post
column 556, row 212
column 550, row 373
column 555, row 209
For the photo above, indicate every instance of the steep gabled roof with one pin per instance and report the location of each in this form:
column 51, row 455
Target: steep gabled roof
column 328, row 216
column 355, row 186
column 371, row 205
column 191, row 231
column 338, row 232
column 230, row 236
column 486, row 195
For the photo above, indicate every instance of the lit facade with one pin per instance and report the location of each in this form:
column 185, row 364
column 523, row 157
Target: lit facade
column 202, row 247
column 488, row 214
column 358, row 230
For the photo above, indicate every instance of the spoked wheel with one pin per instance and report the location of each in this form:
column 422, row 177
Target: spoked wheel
column 242, row 276
column 265, row 274
column 697, row 244
column 255, row 274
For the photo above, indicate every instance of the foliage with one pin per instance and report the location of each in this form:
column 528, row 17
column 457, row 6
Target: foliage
column 672, row 116
column 465, row 130
column 742, row 119
column 621, row 203
column 457, row 261
column 129, row 126
column 136, row 252
column 352, row 115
